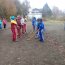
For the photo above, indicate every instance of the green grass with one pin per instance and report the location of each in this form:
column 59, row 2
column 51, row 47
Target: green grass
column 52, row 22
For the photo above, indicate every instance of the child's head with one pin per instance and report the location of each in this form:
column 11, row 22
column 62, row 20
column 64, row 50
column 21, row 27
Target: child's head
column 3, row 18
column 34, row 18
column 40, row 20
column 12, row 17
column 18, row 17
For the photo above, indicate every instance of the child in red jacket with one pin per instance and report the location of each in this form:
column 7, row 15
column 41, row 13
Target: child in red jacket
column 13, row 28
column 18, row 19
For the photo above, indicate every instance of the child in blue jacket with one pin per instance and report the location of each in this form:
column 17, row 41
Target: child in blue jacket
column 36, row 25
column 41, row 30
column 33, row 23
column 0, row 24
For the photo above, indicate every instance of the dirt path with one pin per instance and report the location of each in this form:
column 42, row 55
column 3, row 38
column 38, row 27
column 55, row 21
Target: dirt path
column 32, row 52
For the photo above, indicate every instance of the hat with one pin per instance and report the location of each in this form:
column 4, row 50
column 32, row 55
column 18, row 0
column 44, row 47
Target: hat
column 12, row 17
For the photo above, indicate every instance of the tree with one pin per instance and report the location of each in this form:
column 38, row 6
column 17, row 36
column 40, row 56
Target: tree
column 58, row 14
column 18, row 7
column 55, row 11
column 7, row 7
column 46, row 11
column 13, row 7
column 25, row 7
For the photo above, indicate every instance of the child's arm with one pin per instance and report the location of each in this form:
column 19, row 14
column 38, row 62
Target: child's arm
column 37, row 27
column 43, row 27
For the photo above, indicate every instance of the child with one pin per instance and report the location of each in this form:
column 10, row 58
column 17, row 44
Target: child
column 19, row 25
column 4, row 22
column 33, row 23
column 41, row 30
column 36, row 32
column 0, row 24
column 23, row 24
column 13, row 28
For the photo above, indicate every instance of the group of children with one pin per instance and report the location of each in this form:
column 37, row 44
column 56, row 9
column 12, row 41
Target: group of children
column 38, row 27
column 18, row 27
column 3, row 23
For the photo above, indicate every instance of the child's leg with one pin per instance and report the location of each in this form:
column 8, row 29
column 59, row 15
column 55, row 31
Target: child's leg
column 36, row 33
column 25, row 27
column 13, row 34
column 33, row 28
column 0, row 27
column 19, row 32
column 41, row 36
column 4, row 25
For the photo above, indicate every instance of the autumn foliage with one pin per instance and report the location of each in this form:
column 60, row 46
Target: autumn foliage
column 12, row 7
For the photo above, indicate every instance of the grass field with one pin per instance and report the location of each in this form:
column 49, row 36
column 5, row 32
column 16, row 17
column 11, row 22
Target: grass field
column 33, row 52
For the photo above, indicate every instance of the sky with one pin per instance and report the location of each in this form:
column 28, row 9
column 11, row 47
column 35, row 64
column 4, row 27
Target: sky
column 40, row 3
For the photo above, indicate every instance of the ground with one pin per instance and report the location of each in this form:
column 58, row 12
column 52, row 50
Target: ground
column 29, row 51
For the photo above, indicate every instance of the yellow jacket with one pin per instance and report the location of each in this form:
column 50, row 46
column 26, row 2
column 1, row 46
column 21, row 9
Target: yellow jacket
column 13, row 21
